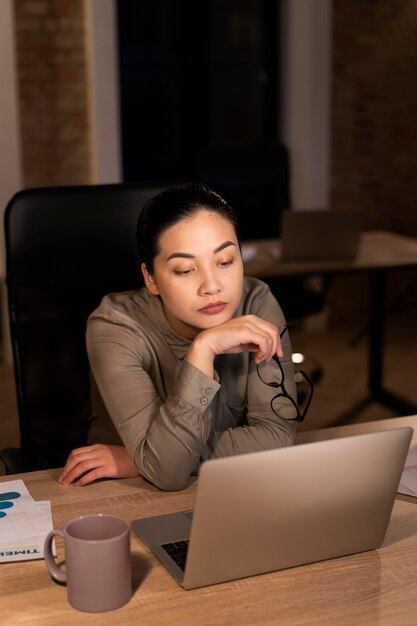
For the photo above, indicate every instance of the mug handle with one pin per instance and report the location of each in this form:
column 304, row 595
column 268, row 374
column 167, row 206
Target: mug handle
column 53, row 568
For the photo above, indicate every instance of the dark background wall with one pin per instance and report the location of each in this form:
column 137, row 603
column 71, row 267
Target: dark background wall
column 374, row 102
column 374, row 131
column 374, row 110
column 374, row 139
column 205, row 74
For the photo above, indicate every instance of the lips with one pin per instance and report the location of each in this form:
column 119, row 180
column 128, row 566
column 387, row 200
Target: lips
column 214, row 308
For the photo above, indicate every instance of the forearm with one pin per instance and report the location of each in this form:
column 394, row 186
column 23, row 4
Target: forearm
column 263, row 433
column 166, row 438
column 171, row 449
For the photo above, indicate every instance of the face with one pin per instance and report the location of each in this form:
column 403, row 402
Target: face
column 198, row 273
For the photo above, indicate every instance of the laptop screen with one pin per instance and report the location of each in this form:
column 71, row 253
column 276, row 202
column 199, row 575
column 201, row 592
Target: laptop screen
column 320, row 234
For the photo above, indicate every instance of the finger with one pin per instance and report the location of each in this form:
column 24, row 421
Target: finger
column 81, row 468
column 271, row 344
column 75, row 457
column 95, row 474
column 69, row 466
column 274, row 342
column 275, row 346
column 261, row 355
column 82, row 460
column 71, row 476
column 73, row 461
column 279, row 350
column 264, row 341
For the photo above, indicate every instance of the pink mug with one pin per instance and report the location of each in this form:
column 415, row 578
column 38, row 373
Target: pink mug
column 97, row 562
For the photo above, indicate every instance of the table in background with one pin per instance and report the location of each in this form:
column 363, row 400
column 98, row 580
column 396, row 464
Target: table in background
column 379, row 252
column 375, row 587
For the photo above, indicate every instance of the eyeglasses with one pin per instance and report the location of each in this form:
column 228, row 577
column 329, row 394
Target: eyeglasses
column 273, row 376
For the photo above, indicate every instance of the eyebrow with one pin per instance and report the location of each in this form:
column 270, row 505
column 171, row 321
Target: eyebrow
column 185, row 255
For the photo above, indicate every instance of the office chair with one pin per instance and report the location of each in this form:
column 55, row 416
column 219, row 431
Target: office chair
column 66, row 247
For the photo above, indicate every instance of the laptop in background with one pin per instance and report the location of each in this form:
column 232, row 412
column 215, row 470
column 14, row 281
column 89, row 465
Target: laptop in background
column 319, row 234
column 266, row 511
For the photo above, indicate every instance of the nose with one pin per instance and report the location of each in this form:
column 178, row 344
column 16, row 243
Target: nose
column 210, row 284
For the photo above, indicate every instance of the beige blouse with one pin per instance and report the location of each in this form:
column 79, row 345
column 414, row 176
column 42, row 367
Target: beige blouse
column 168, row 414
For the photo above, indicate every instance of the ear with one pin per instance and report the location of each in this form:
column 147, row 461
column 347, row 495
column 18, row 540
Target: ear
column 149, row 281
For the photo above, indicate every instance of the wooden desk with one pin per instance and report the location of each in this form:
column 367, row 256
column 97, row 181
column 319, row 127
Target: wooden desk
column 375, row 587
column 379, row 252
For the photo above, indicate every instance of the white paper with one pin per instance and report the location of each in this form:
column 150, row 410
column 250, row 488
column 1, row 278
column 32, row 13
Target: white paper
column 24, row 523
column 408, row 481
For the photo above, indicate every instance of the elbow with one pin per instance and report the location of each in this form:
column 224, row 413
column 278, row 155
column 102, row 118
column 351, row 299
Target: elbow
column 165, row 476
column 171, row 484
column 165, row 481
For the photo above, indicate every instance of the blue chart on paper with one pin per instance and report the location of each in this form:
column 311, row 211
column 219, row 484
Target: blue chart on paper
column 5, row 501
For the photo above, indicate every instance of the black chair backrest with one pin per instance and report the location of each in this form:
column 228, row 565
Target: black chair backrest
column 66, row 247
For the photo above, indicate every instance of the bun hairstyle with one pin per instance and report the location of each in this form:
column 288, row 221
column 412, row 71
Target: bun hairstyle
column 169, row 207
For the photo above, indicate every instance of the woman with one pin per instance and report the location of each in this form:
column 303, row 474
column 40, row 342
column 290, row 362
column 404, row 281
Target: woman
column 175, row 364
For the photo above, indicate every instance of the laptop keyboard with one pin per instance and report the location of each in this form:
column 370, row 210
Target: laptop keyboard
column 177, row 550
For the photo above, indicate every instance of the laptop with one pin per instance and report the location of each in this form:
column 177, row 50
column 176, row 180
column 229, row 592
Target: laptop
column 265, row 511
column 320, row 235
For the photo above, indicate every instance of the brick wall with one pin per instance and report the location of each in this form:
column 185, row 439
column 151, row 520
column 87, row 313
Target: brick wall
column 52, row 81
column 374, row 137
column 374, row 132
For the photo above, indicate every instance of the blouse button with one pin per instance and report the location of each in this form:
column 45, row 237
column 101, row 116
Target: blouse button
column 203, row 400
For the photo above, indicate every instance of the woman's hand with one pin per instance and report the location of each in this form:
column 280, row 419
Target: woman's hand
column 84, row 465
column 247, row 333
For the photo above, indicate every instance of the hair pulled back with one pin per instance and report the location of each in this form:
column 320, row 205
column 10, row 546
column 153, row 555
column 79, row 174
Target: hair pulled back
column 169, row 207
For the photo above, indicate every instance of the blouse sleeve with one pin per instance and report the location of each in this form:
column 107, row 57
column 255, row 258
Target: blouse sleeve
column 165, row 438
column 263, row 428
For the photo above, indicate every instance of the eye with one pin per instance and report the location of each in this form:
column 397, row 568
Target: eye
column 183, row 272
column 226, row 263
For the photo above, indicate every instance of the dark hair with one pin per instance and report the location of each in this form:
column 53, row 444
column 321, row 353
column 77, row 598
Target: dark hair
column 169, row 207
